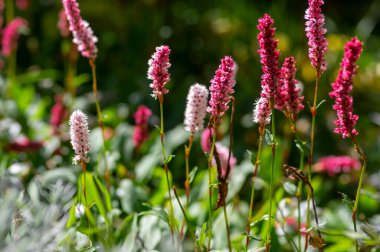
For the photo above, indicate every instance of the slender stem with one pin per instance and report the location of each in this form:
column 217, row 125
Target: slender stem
column 248, row 227
column 267, row 245
column 210, row 209
column 355, row 208
column 100, row 120
column 83, row 164
column 187, row 182
column 313, row 111
column 299, row 198
column 185, row 215
column 162, row 134
column 227, row 228
column 9, row 10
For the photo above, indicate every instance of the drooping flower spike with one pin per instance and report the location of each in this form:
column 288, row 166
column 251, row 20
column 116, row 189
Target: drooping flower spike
column 196, row 108
column 158, row 71
column 83, row 34
column 222, row 86
column 269, row 56
column 315, row 32
column 342, row 88
column 11, row 34
column 79, row 134
column 289, row 99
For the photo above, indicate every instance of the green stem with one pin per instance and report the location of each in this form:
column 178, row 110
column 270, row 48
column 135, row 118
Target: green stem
column 83, row 164
column 227, row 228
column 210, row 209
column 267, row 245
column 162, row 134
column 355, row 208
column 248, row 227
column 313, row 111
column 299, row 198
column 100, row 120
column 9, row 10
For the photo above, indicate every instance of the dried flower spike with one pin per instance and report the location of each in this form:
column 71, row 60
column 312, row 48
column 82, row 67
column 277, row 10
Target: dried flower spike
column 222, row 86
column 288, row 99
column 315, row 32
column 158, row 71
column 11, row 34
column 342, row 88
column 79, row 135
column 196, row 108
column 262, row 111
column 83, row 35
column 269, row 55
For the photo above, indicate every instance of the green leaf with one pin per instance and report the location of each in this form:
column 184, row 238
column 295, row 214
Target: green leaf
column 72, row 217
column 125, row 227
column 170, row 157
column 251, row 157
column 154, row 211
column 347, row 201
column 192, row 174
column 320, row 103
column 290, row 188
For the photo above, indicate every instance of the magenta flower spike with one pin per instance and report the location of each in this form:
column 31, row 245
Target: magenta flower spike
column 315, row 32
column 11, row 34
column 269, row 56
column 79, row 134
column 222, row 86
column 83, row 35
column 262, row 111
column 196, row 108
column 289, row 99
column 158, row 71
column 333, row 165
column 342, row 88
column 141, row 134
column 57, row 114
column 63, row 25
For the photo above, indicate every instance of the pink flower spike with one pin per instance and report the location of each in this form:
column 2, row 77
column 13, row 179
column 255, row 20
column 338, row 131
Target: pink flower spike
column 63, row 24
column 195, row 108
column 83, row 35
column 269, row 55
column 141, row 134
column 223, row 156
column 315, row 32
column 222, row 86
column 342, row 88
column 333, row 165
column 158, row 71
column 206, row 136
column 79, row 134
column 22, row 4
column 57, row 114
column 288, row 99
column 11, row 34
column 262, row 111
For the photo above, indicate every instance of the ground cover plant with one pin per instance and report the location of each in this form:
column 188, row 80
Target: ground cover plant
column 179, row 149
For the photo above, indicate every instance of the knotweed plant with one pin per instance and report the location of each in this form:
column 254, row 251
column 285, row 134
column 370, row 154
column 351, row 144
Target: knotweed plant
column 79, row 135
column 269, row 56
column 221, row 89
column 158, row 72
column 84, row 38
column 345, row 124
column 195, row 114
column 315, row 32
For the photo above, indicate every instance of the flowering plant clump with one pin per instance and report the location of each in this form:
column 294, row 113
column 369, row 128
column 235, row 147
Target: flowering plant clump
column 196, row 108
column 83, row 35
column 342, row 88
column 158, row 71
column 222, row 86
column 333, row 165
column 315, row 32
column 79, row 135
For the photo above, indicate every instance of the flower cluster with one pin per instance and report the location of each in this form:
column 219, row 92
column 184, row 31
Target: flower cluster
column 79, row 134
column 158, row 71
column 83, row 35
column 262, row 111
column 22, row 4
column 222, row 86
column 11, row 34
column 63, row 25
column 342, row 88
column 58, row 113
column 288, row 99
column 141, row 134
column 333, row 165
column 315, row 32
column 196, row 108
column 24, row 145
column 269, row 56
